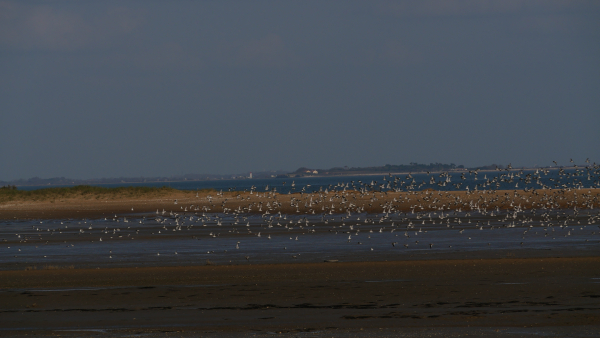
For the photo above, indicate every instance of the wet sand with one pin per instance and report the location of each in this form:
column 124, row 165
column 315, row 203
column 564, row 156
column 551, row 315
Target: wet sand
column 293, row 298
column 307, row 203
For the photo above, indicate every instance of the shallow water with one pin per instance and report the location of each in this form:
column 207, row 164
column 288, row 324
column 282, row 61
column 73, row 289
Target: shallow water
column 192, row 239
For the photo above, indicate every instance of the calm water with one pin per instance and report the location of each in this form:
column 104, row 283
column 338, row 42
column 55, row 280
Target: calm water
column 490, row 180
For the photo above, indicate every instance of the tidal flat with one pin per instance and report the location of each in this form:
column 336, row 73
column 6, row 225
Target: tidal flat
column 322, row 263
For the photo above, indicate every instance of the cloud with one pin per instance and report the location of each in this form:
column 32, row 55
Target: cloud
column 436, row 8
column 398, row 53
column 167, row 56
column 266, row 51
column 43, row 27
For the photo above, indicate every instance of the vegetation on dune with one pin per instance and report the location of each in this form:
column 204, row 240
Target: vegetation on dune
column 87, row 191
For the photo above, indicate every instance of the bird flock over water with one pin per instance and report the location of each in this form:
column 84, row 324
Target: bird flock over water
column 395, row 215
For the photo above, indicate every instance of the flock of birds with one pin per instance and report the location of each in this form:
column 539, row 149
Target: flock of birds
column 389, row 215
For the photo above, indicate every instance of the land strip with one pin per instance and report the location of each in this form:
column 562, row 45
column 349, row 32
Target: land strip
column 95, row 205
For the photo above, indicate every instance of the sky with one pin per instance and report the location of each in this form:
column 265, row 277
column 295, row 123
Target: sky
column 92, row 89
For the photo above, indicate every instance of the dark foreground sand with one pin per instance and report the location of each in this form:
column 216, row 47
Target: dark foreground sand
column 401, row 298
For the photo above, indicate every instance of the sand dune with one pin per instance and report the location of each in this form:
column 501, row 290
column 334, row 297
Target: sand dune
column 90, row 206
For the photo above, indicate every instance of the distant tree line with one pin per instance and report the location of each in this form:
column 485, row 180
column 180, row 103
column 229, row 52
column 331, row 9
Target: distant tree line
column 411, row 167
column 488, row 167
column 388, row 168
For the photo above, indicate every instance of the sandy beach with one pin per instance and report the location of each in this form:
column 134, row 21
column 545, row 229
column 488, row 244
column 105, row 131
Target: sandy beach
column 307, row 203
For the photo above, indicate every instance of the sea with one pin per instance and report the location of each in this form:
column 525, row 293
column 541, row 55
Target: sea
column 574, row 178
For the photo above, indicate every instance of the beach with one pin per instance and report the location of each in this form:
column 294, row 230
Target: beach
column 90, row 206
column 497, row 294
column 342, row 263
column 306, row 169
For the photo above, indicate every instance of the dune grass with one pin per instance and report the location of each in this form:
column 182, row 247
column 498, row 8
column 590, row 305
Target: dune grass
column 86, row 191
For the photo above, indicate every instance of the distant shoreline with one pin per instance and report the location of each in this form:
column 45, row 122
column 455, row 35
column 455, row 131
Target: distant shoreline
column 436, row 172
column 289, row 175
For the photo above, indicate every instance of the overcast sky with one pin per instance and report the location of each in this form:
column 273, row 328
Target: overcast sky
column 157, row 88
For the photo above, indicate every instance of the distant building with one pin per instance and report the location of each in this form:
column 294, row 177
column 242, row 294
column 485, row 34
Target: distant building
column 250, row 176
